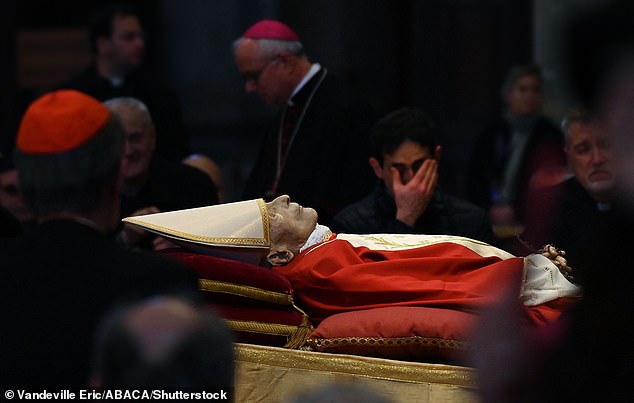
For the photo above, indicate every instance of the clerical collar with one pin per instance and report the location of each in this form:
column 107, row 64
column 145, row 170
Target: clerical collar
column 314, row 68
column 604, row 206
column 320, row 234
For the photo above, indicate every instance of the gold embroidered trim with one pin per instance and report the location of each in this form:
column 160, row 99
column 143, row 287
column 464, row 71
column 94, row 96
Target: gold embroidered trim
column 367, row 367
column 259, row 294
column 274, row 329
column 264, row 242
column 265, row 221
column 388, row 342
column 207, row 240
column 433, row 240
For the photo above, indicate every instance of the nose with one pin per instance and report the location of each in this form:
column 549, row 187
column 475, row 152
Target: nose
column 128, row 148
column 598, row 156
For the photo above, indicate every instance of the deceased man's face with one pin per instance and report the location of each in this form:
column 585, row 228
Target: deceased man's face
column 290, row 227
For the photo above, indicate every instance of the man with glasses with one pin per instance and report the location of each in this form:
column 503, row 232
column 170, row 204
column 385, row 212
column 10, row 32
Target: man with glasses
column 317, row 149
column 406, row 199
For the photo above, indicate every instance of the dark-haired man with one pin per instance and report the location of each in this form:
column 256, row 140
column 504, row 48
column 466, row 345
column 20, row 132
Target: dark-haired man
column 118, row 41
column 406, row 199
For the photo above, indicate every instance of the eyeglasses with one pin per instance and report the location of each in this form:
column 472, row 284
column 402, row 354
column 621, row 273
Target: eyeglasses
column 254, row 76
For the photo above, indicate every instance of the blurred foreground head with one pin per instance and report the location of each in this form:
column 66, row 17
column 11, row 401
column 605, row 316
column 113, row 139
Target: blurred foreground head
column 163, row 342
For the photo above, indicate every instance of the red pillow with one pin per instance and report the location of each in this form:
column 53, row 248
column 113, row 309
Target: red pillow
column 224, row 278
column 256, row 302
column 406, row 333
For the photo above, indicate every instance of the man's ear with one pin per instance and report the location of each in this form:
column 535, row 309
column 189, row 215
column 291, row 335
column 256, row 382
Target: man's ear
column 376, row 167
column 280, row 257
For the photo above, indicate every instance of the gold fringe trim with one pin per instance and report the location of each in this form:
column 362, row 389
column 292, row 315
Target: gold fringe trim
column 321, row 343
column 300, row 335
column 259, row 294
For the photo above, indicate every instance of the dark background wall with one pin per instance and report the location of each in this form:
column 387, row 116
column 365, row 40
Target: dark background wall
column 447, row 56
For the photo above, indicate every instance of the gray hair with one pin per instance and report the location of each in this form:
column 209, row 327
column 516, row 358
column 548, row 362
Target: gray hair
column 131, row 103
column 270, row 48
column 575, row 114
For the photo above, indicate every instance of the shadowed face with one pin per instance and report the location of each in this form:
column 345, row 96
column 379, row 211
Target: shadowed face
column 525, row 96
column 290, row 227
column 11, row 197
column 617, row 116
column 264, row 76
column 139, row 146
column 590, row 158
column 407, row 159
column 126, row 47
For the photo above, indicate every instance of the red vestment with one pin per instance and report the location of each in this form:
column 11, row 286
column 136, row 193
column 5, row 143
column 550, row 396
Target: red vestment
column 336, row 276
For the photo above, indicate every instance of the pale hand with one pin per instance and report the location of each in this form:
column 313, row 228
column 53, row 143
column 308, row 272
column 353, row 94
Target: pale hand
column 412, row 198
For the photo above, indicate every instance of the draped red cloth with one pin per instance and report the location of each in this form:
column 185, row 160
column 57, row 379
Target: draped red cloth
column 336, row 277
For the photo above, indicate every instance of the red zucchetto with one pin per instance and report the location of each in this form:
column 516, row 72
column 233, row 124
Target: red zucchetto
column 271, row 29
column 60, row 121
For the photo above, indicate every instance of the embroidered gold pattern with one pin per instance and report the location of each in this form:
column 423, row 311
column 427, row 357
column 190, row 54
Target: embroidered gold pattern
column 264, row 242
column 379, row 240
column 265, row 221
column 259, row 294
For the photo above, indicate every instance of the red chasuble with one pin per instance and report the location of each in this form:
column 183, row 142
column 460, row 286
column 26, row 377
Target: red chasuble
column 339, row 276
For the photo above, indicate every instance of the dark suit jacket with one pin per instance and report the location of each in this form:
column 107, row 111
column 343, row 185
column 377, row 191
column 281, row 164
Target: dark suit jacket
column 564, row 215
column 171, row 138
column 544, row 148
column 327, row 165
column 172, row 186
column 445, row 215
column 56, row 283
column 9, row 224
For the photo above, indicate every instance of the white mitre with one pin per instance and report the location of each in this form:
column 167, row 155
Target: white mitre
column 238, row 231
